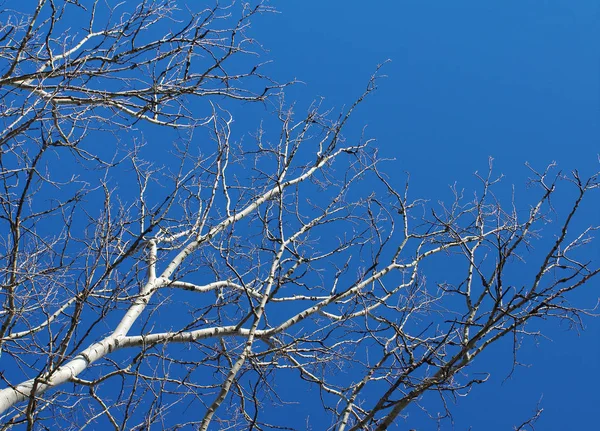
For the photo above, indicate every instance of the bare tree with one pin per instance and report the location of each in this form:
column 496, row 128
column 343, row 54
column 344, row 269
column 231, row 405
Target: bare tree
column 181, row 285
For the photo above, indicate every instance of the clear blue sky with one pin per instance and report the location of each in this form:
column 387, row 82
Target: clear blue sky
column 515, row 80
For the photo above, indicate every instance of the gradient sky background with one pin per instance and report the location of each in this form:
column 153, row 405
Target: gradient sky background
column 515, row 80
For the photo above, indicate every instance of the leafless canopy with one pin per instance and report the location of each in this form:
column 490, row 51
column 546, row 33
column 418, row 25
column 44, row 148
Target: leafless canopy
column 203, row 280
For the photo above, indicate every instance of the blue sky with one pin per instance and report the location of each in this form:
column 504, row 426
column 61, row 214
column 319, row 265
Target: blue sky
column 515, row 80
column 518, row 81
